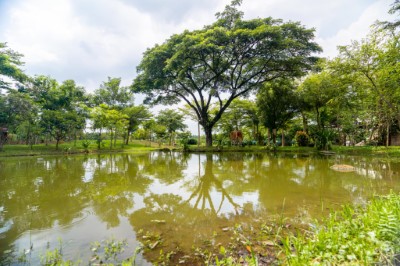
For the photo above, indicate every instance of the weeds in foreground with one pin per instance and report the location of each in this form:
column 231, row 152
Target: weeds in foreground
column 358, row 236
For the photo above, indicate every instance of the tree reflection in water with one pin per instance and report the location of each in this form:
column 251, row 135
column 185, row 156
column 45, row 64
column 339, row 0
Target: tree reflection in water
column 207, row 183
column 181, row 223
column 188, row 199
column 116, row 179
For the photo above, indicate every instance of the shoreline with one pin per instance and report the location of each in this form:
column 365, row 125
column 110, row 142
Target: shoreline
column 21, row 150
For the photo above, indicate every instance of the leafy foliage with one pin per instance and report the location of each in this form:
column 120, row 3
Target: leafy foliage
column 276, row 103
column 231, row 57
column 172, row 121
column 112, row 94
column 10, row 63
column 353, row 236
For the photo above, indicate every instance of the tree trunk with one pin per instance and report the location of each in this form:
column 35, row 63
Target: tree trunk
column 28, row 134
column 305, row 124
column 387, row 134
column 283, row 138
column 128, row 133
column 208, row 133
column 318, row 119
column 198, row 134
column 75, row 137
column 111, row 138
column 274, row 135
column 2, row 140
column 99, row 141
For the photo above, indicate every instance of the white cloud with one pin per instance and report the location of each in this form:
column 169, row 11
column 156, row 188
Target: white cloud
column 336, row 22
column 88, row 40
column 358, row 29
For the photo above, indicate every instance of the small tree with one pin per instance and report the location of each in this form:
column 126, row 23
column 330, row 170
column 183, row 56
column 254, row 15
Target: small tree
column 116, row 122
column 276, row 103
column 99, row 120
column 173, row 121
column 136, row 115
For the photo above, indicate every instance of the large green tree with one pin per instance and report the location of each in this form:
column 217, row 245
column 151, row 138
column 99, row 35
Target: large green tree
column 221, row 62
column 10, row 72
column 374, row 66
column 62, row 107
column 17, row 111
column 316, row 91
column 59, row 123
column 21, row 114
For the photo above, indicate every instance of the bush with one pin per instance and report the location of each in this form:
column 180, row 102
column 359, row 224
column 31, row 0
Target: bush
column 85, row 144
column 302, row 138
column 192, row 141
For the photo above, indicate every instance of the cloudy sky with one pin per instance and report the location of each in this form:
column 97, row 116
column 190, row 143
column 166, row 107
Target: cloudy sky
column 89, row 40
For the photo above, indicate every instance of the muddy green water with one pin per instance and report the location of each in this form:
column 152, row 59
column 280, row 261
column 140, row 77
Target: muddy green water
column 185, row 198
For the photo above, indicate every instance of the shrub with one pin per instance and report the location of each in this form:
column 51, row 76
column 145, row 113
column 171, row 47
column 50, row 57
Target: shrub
column 85, row 144
column 192, row 142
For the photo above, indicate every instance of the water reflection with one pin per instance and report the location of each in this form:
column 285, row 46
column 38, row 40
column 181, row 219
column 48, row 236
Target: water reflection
column 184, row 197
column 204, row 186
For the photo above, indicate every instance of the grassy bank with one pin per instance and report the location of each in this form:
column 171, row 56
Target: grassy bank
column 368, row 150
column 392, row 151
column 142, row 145
column 75, row 148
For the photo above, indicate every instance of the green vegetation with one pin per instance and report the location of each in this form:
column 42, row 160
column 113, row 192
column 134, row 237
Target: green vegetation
column 354, row 236
column 313, row 103
column 186, row 144
column 80, row 146
column 348, row 100
column 228, row 59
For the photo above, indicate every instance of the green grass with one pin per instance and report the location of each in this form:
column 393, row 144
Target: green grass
column 392, row 151
column 71, row 148
column 142, row 145
column 354, row 236
column 369, row 150
column 195, row 148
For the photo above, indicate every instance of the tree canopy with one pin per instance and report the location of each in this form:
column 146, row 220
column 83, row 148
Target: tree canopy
column 229, row 59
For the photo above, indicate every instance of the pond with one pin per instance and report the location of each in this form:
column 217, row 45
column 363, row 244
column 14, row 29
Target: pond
column 170, row 201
